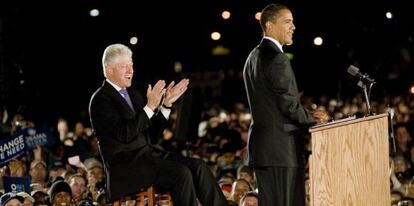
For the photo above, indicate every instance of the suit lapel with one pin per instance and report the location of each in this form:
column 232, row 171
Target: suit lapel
column 136, row 99
column 123, row 106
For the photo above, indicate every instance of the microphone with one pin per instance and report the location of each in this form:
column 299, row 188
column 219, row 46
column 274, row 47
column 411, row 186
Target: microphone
column 365, row 82
column 354, row 71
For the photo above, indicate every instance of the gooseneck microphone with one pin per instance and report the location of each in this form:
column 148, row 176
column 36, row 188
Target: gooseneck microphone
column 354, row 71
column 365, row 82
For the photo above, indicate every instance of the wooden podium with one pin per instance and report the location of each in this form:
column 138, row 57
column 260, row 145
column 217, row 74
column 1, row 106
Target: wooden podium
column 349, row 164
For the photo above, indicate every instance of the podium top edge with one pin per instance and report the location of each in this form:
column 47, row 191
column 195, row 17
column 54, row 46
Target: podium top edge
column 341, row 123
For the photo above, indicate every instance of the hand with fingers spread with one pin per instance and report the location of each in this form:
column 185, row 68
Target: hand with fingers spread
column 174, row 91
column 154, row 94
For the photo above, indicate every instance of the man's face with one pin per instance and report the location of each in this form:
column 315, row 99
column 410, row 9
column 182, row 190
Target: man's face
column 121, row 71
column 399, row 165
column 246, row 176
column 282, row 28
column 38, row 173
column 77, row 184
column 239, row 189
column 96, row 173
column 250, row 201
column 402, row 135
column 61, row 199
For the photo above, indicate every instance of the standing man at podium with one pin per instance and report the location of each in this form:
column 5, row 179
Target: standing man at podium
column 279, row 121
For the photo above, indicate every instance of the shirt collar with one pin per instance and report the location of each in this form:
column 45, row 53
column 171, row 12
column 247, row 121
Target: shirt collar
column 114, row 85
column 274, row 41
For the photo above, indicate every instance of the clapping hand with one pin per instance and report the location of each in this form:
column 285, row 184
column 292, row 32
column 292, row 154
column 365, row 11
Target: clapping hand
column 154, row 94
column 174, row 91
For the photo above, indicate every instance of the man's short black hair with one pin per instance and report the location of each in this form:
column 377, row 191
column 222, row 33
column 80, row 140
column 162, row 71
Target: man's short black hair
column 269, row 13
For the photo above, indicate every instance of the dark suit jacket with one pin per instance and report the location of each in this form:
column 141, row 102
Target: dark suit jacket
column 124, row 139
column 277, row 114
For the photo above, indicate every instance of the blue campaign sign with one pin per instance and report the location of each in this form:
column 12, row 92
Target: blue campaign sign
column 11, row 147
column 23, row 140
column 16, row 184
column 37, row 136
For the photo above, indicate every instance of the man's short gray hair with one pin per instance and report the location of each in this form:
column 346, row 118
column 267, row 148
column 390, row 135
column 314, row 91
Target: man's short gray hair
column 111, row 54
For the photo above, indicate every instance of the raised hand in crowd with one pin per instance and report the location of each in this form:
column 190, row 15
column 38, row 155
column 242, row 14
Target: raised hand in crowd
column 37, row 152
column 17, row 168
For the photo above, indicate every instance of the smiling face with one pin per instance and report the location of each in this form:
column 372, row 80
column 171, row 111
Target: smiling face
column 121, row 71
column 282, row 27
column 62, row 199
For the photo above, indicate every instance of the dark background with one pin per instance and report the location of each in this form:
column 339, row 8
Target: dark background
column 50, row 51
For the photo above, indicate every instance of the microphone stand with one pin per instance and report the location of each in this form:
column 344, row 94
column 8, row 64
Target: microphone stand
column 366, row 87
column 390, row 117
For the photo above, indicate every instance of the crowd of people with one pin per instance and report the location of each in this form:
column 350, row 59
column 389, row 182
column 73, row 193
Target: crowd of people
column 220, row 143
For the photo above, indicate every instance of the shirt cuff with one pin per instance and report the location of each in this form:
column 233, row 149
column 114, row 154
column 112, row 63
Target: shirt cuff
column 166, row 112
column 149, row 112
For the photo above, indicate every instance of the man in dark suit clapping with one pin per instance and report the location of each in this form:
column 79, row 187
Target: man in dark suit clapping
column 124, row 124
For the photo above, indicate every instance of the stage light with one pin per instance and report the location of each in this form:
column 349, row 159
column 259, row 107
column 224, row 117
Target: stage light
column 94, row 12
column 215, row 36
column 226, row 15
column 133, row 40
column 318, row 41
column 388, row 15
column 412, row 89
column 258, row 15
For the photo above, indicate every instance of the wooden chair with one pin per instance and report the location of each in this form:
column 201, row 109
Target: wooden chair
column 163, row 199
column 147, row 195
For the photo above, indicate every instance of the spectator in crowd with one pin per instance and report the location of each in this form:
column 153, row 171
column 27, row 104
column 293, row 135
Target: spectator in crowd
column 95, row 176
column 28, row 199
column 251, row 198
column 40, row 196
column 60, row 194
column 77, row 184
column 240, row 187
column 11, row 199
column 17, row 168
column 38, row 172
column 403, row 140
column 247, row 173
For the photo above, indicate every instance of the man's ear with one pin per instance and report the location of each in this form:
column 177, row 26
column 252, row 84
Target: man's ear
column 268, row 26
column 109, row 70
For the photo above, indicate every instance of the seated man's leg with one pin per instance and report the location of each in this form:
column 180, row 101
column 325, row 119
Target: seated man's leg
column 207, row 189
column 177, row 179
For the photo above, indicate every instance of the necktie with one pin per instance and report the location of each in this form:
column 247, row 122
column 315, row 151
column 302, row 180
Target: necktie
column 125, row 95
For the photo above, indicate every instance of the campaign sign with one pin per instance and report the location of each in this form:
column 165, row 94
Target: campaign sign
column 22, row 141
column 16, row 184
column 11, row 148
column 37, row 136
